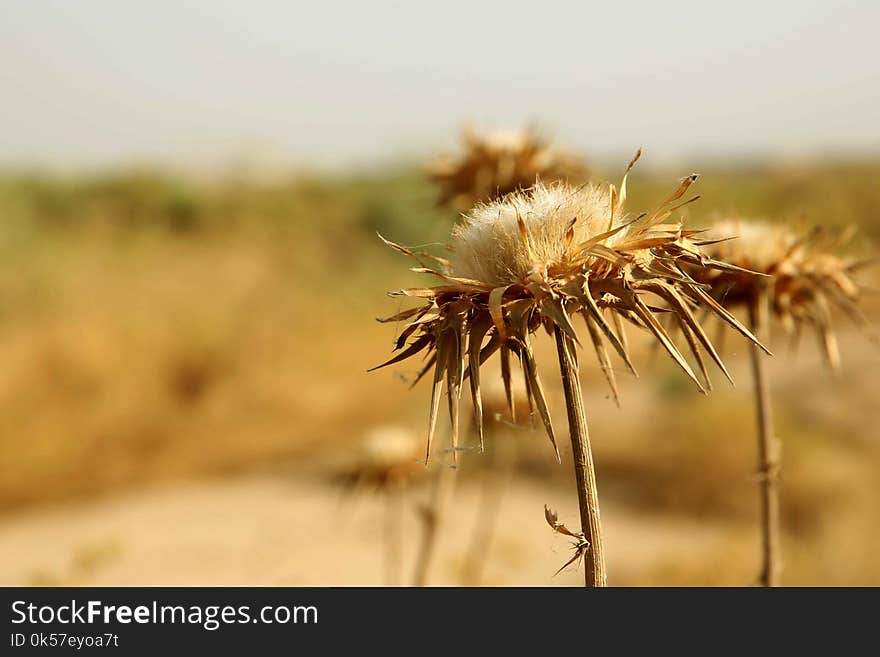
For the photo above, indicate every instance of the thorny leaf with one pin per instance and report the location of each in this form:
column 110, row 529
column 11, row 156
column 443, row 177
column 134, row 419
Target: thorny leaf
column 580, row 545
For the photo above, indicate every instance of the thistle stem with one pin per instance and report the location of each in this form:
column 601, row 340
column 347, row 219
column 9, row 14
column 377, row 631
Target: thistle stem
column 433, row 515
column 393, row 515
column 768, row 455
column 584, row 471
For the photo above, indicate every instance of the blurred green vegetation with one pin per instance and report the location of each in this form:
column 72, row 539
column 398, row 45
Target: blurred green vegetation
column 399, row 202
column 143, row 200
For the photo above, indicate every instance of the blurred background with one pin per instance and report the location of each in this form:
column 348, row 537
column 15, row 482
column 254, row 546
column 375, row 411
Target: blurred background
column 190, row 273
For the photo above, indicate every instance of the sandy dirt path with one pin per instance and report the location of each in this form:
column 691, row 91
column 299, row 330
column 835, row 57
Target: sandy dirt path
column 270, row 530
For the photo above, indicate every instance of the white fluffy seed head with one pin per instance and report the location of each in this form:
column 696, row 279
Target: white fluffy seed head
column 487, row 244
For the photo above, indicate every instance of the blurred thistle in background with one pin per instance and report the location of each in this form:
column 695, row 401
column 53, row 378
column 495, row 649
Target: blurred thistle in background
column 386, row 463
column 808, row 274
column 494, row 164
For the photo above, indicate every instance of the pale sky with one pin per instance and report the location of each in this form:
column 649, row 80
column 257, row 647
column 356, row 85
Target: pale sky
column 102, row 82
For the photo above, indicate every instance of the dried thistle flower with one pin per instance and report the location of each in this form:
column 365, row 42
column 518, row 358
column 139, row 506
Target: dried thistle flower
column 809, row 278
column 532, row 260
column 495, row 164
column 535, row 259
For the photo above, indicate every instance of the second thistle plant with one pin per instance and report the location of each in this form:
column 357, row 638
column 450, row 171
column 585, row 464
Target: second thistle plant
column 536, row 259
column 805, row 279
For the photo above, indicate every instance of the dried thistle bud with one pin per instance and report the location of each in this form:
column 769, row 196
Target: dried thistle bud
column 535, row 259
column 807, row 277
column 495, row 164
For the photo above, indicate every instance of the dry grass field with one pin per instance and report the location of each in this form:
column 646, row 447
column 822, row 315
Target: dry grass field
column 184, row 378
